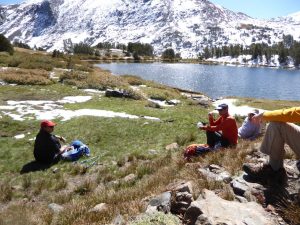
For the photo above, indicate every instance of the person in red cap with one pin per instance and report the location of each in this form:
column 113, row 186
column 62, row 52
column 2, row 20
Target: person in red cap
column 47, row 147
column 223, row 131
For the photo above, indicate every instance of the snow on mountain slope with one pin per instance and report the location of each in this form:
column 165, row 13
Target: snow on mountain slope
column 185, row 25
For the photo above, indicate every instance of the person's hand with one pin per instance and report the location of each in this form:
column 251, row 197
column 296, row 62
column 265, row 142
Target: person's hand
column 257, row 118
column 203, row 127
column 62, row 139
column 65, row 148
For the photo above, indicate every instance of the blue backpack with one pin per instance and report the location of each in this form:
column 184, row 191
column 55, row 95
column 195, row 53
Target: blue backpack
column 78, row 149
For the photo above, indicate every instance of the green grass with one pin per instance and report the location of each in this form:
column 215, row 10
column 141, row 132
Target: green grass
column 122, row 146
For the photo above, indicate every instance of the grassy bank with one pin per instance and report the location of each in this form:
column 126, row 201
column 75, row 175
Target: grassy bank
column 122, row 146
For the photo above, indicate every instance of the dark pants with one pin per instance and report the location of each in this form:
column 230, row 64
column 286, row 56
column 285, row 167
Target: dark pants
column 214, row 138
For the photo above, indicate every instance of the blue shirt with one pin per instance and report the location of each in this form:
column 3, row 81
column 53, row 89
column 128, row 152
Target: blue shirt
column 249, row 130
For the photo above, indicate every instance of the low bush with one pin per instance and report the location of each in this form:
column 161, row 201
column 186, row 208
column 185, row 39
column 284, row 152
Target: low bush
column 26, row 77
column 133, row 80
column 162, row 95
column 98, row 79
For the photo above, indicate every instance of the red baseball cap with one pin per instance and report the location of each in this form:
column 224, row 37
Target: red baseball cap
column 47, row 123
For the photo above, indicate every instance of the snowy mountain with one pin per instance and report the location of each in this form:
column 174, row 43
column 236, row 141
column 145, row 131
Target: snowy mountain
column 185, row 25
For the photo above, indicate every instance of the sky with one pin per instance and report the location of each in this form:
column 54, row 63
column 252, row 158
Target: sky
column 263, row 9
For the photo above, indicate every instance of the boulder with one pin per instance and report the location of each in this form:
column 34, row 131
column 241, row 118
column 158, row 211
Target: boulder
column 130, row 178
column 160, row 203
column 119, row 220
column 55, row 208
column 240, row 186
column 99, row 208
column 215, row 210
column 114, row 93
column 215, row 173
column 173, row 102
column 181, row 186
column 173, row 146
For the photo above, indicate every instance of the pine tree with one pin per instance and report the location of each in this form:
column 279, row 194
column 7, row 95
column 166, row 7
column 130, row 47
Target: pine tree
column 295, row 53
column 282, row 53
column 168, row 54
column 5, row 45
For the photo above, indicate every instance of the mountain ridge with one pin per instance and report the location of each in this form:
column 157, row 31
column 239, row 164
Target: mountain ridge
column 186, row 26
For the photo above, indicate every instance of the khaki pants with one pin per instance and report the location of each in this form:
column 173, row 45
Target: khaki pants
column 277, row 134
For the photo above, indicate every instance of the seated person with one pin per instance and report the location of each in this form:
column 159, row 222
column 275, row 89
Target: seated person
column 47, row 147
column 223, row 131
column 249, row 129
column 280, row 131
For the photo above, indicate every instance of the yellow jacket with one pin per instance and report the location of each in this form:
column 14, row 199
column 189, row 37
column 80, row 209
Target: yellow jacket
column 283, row 115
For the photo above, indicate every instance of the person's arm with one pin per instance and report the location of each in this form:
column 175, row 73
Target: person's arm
column 282, row 115
column 217, row 127
column 213, row 122
column 60, row 138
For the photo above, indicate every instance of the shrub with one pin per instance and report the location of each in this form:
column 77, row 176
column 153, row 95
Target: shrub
column 26, row 77
column 161, row 94
column 133, row 80
column 96, row 80
column 168, row 54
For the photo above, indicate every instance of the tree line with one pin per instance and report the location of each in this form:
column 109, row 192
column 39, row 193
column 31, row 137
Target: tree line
column 285, row 49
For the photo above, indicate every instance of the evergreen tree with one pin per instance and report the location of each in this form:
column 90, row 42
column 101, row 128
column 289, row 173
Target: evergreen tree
column 295, row 53
column 83, row 48
column 288, row 40
column 56, row 54
column 21, row 45
column 140, row 49
column 168, row 54
column 5, row 45
column 282, row 53
column 206, row 53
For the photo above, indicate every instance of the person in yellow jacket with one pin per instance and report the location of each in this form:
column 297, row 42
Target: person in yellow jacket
column 281, row 130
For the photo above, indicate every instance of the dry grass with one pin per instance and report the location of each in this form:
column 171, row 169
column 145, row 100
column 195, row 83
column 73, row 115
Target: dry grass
column 266, row 104
column 6, row 192
column 161, row 94
column 30, row 213
column 185, row 139
column 290, row 212
column 134, row 80
column 97, row 79
column 26, row 77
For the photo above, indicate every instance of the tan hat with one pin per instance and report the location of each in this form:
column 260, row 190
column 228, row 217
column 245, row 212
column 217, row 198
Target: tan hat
column 254, row 112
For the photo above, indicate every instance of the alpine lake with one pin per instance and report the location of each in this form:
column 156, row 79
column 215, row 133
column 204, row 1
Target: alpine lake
column 217, row 81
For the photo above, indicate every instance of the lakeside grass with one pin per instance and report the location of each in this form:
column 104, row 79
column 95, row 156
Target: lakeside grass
column 122, row 146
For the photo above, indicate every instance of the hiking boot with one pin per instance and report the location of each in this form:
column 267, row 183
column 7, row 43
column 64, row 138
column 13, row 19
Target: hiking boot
column 265, row 173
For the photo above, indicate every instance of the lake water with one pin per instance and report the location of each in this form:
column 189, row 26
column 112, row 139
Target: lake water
column 217, row 80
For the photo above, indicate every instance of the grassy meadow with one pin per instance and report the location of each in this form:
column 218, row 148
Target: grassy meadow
column 120, row 146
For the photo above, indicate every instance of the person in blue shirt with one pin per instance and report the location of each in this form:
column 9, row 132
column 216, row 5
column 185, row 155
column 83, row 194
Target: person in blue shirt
column 250, row 130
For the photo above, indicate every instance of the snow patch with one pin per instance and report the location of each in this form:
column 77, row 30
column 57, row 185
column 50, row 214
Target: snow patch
column 234, row 109
column 19, row 136
column 21, row 110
